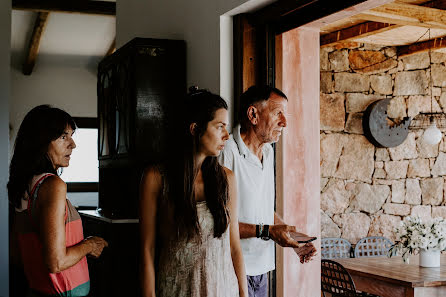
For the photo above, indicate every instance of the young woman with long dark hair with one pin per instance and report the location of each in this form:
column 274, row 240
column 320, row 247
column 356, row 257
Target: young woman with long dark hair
column 46, row 228
column 188, row 210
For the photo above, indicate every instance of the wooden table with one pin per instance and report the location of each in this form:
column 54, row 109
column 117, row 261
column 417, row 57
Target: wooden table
column 391, row 277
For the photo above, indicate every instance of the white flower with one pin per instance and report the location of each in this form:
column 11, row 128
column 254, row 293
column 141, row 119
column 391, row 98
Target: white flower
column 414, row 234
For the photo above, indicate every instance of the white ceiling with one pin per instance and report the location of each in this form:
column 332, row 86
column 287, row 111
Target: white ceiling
column 65, row 35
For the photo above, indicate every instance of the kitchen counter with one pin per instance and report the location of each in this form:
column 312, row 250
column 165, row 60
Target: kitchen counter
column 95, row 215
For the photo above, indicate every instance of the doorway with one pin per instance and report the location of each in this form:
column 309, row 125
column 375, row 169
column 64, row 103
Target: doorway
column 279, row 45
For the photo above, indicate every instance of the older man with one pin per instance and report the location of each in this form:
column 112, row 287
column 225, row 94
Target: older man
column 250, row 156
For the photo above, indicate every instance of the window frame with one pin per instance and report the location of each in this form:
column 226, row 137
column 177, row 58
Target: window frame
column 79, row 187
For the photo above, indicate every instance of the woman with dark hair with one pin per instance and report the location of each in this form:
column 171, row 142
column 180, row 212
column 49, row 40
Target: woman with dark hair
column 189, row 226
column 47, row 228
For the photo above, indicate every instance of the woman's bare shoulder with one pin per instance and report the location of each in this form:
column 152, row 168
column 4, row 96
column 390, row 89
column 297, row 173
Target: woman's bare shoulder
column 53, row 182
column 53, row 187
column 152, row 177
column 229, row 173
column 152, row 172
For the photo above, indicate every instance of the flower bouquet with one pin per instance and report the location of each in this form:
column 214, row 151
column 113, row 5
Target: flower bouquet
column 415, row 235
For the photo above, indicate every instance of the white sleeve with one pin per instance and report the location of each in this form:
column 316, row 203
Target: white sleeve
column 226, row 159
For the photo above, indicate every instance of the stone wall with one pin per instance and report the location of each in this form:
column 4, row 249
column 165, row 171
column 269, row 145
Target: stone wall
column 366, row 190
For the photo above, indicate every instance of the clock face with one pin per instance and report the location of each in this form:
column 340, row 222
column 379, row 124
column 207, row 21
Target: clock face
column 377, row 129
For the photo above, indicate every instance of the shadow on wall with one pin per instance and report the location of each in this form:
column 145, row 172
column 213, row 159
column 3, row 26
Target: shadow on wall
column 66, row 61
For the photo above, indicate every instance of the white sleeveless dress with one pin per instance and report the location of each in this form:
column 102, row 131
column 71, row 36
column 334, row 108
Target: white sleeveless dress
column 195, row 269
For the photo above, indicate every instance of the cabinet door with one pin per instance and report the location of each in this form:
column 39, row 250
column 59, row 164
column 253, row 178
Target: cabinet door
column 124, row 102
column 106, row 99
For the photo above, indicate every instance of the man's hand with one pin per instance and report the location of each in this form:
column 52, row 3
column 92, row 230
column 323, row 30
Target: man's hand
column 306, row 252
column 281, row 235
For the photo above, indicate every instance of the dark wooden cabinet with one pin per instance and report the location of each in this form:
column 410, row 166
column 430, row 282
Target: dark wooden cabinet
column 115, row 272
column 138, row 87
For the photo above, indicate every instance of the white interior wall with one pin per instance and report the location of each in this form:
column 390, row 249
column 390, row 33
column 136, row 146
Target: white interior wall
column 65, row 71
column 205, row 25
column 5, row 45
column 63, row 82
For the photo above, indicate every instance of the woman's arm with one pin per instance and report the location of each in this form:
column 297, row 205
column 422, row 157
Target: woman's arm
column 50, row 217
column 236, row 250
column 150, row 189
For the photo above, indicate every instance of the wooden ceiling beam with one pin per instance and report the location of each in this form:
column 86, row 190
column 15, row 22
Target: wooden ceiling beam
column 284, row 15
column 423, row 46
column 34, row 43
column 67, row 6
column 440, row 4
column 377, row 25
column 112, row 48
column 407, row 15
column 354, row 32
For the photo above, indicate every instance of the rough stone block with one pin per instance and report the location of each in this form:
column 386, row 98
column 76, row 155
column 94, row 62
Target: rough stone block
column 351, row 82
column 324, row 62
column 442, row 146
column 392, row 72
column 439, row 167
column 332, row 112
column 443, row 101
column 358, row 102
column 328, row 227
column 418, row 61
column 354, row 124
column 410, row 83
column 382, row 154
column 339, row 60
column 406, row 150
column 397, row 108
column 331, row 148
column 439, row 75
column 419, row 168
column 379, row 173
column 349, row 45
column 396, row 209
column 396, row 169
column 369, row 198
column 400, row 66
column 436, row 92
column 398, row 191
column 372, row 47
column 439, row 211
column 358, row 154
column 336, row 198
column 437, row 57
column 436, row 106
column 327, row 83
column 355, row 226
column 431, row 163
column 390, row 52
column 417, row 104
column 370, row 62
column 386, row 182
column 413, row 192
column 379, row 164
column 432, row 191
column 422, row 211
column 381, row 84
column 384, row 225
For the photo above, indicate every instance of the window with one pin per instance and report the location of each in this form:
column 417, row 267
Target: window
column 82, row 176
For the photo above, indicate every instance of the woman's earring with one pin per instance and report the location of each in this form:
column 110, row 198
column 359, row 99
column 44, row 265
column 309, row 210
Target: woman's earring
column 193, row 128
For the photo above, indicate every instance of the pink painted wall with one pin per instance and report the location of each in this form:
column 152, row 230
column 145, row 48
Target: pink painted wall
column 298, row 157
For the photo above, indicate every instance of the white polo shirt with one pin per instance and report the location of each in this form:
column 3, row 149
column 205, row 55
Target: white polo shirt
column 255, row 188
